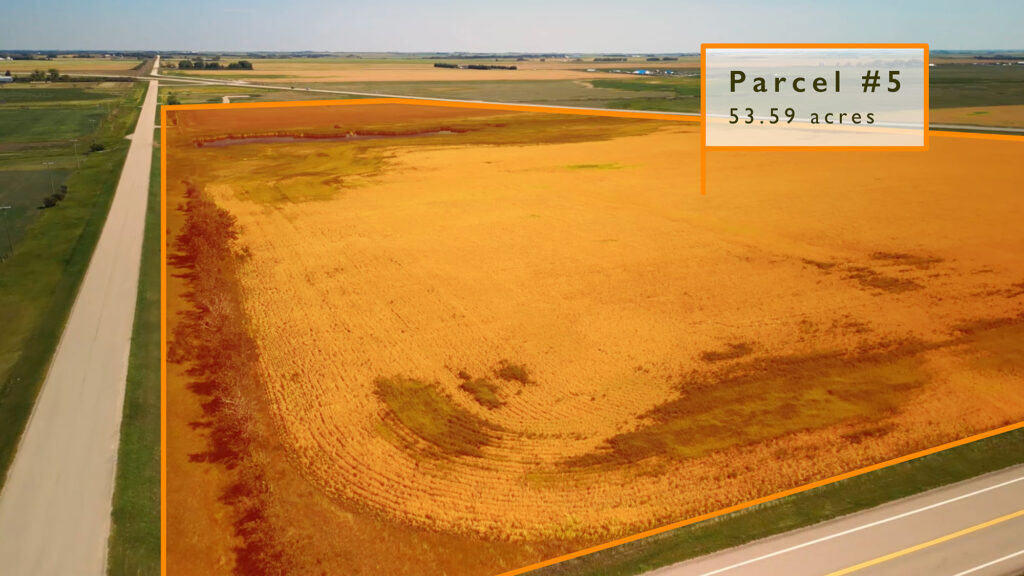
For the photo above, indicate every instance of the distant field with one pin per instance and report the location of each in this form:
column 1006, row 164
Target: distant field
column 491, row 338
column 1012, row 116
column 70, row 65
column 963, row 85
column 316, row 70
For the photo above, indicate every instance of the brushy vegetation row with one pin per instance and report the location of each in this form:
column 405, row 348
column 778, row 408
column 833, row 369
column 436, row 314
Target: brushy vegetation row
column 213, row 341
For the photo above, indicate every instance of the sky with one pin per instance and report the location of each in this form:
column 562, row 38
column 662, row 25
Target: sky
column 488, row 26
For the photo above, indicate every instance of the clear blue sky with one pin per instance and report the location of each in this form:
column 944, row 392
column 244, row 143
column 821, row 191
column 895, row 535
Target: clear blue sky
column 488, row 26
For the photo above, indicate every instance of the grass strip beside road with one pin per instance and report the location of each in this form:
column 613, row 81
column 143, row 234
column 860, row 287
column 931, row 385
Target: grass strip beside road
column 800, row 510
column 134, row 546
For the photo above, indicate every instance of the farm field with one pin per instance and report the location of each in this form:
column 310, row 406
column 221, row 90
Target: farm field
column 1009, row 116
column 978, row 95
column 72, row 65
column 467, row 349
column 315, row 70
column 52, row 246
column 618, row 91
column 203, row 94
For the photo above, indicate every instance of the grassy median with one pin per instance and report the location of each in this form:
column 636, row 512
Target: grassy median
column 134, row 546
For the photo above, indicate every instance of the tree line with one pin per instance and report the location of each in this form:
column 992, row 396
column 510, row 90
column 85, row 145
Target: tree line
column 199, row 63
column 474, row 66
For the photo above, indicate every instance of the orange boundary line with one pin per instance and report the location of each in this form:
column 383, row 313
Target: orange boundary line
column 163, row 338
column 764, row 499
column 703, row 126
column 977, row 135
column 522, row 108
column 447, row 104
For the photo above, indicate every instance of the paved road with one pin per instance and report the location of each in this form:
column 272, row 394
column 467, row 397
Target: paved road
column 972, row 528
column 976, row 128
column 55, row 506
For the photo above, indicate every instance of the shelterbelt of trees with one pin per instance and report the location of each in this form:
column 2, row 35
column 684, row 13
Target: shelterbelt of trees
column 199, row 63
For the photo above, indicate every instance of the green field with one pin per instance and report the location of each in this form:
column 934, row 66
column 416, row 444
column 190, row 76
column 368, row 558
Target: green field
column 800, row 510
column 134, row 546
column 44, row 125
column 39, row 281
column 964, row 85
column 19, row 95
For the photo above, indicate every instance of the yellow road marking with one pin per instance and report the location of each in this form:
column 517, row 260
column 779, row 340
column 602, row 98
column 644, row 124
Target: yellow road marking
column 927, row 544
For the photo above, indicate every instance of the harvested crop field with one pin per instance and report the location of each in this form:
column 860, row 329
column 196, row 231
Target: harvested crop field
column 285, row 70
column 414, row 339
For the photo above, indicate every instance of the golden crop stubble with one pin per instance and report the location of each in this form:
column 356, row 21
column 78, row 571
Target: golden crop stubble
column 610, row 287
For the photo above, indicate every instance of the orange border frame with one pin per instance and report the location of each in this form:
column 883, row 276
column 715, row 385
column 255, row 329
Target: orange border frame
column 703, row 102
column 522, row 108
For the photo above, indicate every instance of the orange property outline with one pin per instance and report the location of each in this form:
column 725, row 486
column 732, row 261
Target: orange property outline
column 521, row 108
column 703, row 102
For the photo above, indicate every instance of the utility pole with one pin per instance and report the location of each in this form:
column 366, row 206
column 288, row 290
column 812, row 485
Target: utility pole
column 50, row 170
column 7, row 229
column 78, row 160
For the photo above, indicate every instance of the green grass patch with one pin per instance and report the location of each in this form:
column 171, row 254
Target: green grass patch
column 134, row 546
column 733, row 351
column 996, row 346
column 769, row 398
column 422, row 409
column 484, row 392
column 39, row 282
column 610, row 166
column 23, row 191
column 800, row 510
column 513, row 372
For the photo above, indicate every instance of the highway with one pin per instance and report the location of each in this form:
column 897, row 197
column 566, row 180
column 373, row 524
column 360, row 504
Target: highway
column 56, row 503
column 972, row 528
